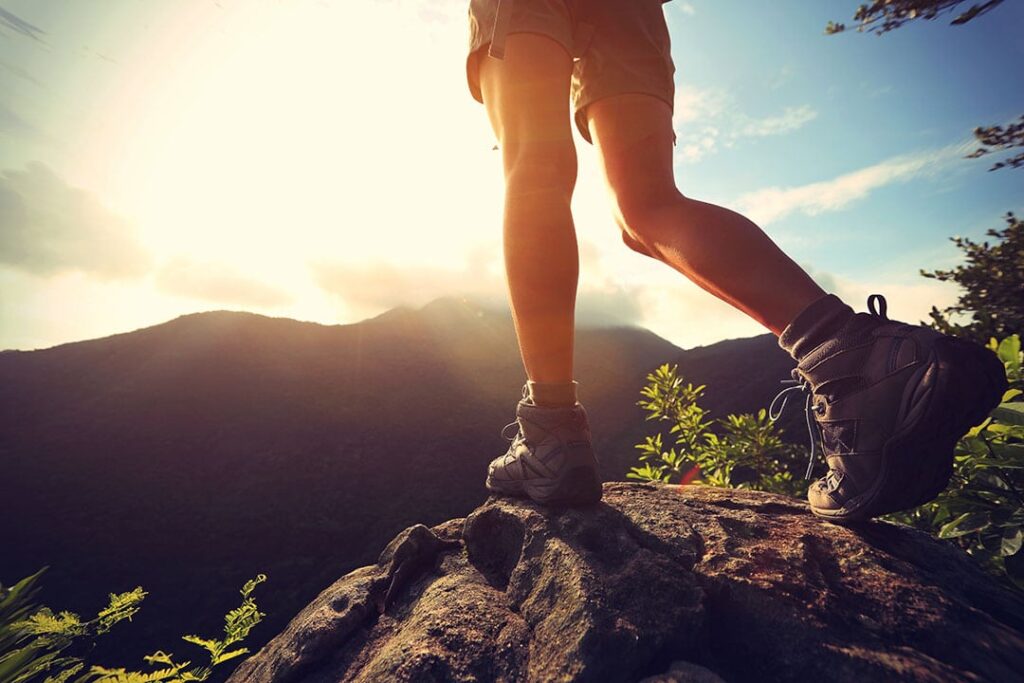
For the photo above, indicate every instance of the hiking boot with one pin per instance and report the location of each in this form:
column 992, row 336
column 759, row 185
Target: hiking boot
column 890, row 400
column 550, row 459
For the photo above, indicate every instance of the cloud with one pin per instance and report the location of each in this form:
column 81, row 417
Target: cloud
column 12, row 123
column 609, row 304
column 218, row 283
column 685, row 7
column 19, row 72
column 699, row 104
column 47, row 227
column 371, row 287
column 709, row 118
column 908, row 300
column 826, row 281
column 791, row 119
column 688, row 316
column 18, row 25
column 773, row 203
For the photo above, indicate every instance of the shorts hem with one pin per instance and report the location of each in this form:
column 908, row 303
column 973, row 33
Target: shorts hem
column 579, row 115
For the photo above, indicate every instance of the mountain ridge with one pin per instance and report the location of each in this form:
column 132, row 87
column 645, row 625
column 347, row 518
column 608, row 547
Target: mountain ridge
column 189, row 455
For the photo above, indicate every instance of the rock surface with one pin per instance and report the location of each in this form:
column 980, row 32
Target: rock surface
column 655, row 583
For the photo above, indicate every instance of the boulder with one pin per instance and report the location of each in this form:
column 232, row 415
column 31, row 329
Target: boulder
column 655, row 583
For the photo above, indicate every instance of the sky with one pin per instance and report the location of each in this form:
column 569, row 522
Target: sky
column 323, row 160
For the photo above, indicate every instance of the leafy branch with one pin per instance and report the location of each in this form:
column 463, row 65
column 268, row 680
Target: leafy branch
column 982, row 510
column 881, row 16
column 1001, row 138
column 33, row 639
column 746, row 452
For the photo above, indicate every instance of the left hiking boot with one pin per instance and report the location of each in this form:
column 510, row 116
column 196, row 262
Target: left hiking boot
column 886, row 402
column 551, row 458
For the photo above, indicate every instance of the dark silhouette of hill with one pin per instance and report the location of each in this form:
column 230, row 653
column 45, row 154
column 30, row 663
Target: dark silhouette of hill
column 188, row 456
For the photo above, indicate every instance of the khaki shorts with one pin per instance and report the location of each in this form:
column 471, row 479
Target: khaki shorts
column 619, row 46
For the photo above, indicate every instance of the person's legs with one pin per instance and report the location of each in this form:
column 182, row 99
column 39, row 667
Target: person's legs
column 551, row 458
column 527, row 100
column 720, row 250
column 890, row 399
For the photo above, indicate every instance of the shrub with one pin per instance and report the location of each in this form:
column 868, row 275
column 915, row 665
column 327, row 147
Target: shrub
column 34, row 640
column 982, row 509
column 747, row 453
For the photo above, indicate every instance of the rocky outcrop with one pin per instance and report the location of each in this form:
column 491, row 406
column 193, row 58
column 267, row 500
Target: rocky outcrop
column 655, row 583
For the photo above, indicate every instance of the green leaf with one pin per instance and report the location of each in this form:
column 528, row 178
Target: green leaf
column 1011, row 543
column 1009, row 349
column 122, row 606
column 978, row 429
column 1010, row 413
column 1012, row 452
column 1014, row 566
column 210, row 646
column 159, row 657
column 966, row 523
column 230, row 655
column 251, row 584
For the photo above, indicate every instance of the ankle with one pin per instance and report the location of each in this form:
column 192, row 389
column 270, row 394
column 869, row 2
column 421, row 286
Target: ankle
column 821, row 320
column 552, row 394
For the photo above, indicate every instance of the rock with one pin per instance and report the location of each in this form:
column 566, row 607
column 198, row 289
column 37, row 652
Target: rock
column 655, row 583
column 685, row 672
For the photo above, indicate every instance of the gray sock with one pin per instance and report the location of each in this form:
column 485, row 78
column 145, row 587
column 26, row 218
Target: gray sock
column 554, row 394
column 818, row 322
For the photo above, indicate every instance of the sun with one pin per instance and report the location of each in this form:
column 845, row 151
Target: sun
column 270, row 136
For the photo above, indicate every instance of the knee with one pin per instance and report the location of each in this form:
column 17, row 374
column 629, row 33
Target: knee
column 536, row 167
column 636, row 245
column 640, row 215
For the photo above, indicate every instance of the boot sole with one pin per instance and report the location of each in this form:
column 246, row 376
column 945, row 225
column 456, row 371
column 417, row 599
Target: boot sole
column 578, row 486
column 917, row 462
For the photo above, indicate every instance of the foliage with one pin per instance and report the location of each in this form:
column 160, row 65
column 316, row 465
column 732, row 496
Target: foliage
column 34, row 640
column 993, row 279
column 748, row 453
column 882, row 16
column 983, row 507
column 992, row 138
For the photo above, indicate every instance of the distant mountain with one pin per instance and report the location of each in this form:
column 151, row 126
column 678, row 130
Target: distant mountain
column 188, row 456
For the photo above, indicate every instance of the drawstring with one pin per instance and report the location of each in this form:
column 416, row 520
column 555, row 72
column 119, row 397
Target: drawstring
column 502, row 17
column 799, row 384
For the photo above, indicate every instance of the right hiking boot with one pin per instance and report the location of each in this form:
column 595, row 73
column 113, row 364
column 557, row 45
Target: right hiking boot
column 550, row 458
column 887, row 402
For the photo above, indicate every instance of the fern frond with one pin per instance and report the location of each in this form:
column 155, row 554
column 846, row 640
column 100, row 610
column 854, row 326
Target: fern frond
column 251, row 584
column 221, row 658
column 122, row 606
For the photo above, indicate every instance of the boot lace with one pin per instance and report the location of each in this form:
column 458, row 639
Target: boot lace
column 518, row 434
column 800, row 383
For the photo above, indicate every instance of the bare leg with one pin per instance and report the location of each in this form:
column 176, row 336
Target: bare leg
column 718, row 249
column 527, row 100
